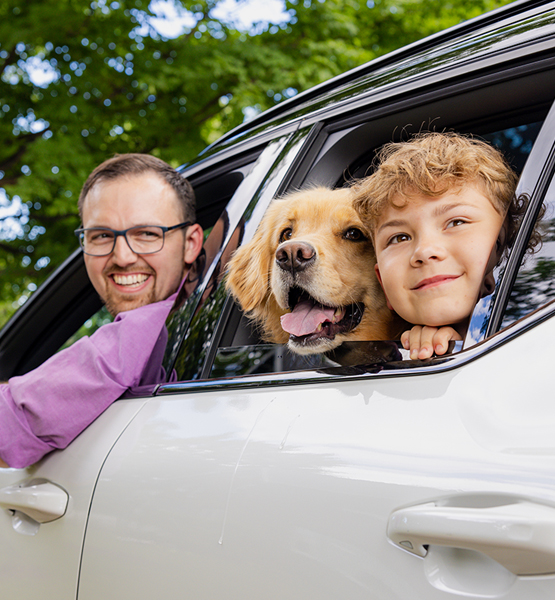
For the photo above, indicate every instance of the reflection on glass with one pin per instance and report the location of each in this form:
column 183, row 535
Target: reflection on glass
column 535, row 282
column 516, row 144
column 348, row 359
column 100, row 317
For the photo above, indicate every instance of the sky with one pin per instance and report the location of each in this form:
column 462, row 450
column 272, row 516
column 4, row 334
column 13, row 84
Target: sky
column 242, row 14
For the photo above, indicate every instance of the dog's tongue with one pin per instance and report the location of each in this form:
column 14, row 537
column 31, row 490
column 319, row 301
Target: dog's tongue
column 306, row 317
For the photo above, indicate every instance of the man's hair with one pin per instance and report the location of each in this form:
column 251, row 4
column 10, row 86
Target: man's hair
column 431, row 164
column 125, row 165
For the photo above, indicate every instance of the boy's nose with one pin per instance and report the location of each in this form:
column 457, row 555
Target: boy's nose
column 427, row 249
column 122, row 254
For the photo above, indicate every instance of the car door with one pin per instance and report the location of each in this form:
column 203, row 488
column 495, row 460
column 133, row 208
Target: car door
column 405, row 481
column 44, row 509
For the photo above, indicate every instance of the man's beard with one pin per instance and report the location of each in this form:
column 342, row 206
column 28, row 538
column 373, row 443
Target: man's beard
column 118, row 302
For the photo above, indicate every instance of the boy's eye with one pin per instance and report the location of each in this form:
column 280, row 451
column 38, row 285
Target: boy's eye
column 398, row 238
column 456, row 222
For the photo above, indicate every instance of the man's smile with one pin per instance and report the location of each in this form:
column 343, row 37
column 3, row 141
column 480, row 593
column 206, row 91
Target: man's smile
column 130, row 280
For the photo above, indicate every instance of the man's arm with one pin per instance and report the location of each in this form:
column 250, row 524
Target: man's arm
column 48, row 407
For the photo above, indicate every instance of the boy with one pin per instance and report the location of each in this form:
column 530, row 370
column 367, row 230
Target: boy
column 442, row 209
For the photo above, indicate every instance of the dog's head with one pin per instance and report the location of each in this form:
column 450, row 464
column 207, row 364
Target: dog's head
column 307, row 276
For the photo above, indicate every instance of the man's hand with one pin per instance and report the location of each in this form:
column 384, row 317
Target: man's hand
column 3, row 465
column 424, row 341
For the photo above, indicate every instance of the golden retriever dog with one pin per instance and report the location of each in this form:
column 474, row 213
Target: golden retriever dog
column 307, row 277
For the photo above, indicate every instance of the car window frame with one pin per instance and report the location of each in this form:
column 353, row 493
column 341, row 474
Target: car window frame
column 534, row 182
column 326, row 135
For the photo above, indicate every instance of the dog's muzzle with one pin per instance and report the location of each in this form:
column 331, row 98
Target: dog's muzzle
column 295, row 257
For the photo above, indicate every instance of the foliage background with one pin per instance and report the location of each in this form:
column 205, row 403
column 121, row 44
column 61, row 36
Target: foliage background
column 81, row 81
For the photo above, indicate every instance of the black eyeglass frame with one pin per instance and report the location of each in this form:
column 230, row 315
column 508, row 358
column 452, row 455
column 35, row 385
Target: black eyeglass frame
column 80, row 233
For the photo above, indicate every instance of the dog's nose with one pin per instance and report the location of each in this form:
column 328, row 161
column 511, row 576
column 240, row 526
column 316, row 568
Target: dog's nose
column 295, row 256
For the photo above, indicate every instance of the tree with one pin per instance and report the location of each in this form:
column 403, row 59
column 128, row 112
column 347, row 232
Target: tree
column 81, row 81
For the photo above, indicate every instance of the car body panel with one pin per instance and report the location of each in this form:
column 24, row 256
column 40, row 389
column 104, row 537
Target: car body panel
column 294, row 486
column 46, row 559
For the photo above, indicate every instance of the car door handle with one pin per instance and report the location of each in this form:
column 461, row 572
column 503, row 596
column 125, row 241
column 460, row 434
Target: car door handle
column 39, row 499
column 518, row 534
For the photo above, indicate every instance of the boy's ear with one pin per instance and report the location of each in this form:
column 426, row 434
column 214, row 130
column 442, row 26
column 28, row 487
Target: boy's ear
column 488, row 285
column 377, row 269
column 501, row 241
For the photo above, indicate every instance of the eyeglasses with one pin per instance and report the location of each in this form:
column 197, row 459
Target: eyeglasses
column 144, row 239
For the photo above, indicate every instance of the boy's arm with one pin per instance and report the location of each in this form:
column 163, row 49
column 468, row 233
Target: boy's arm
column 424, row 341
column 48, row 407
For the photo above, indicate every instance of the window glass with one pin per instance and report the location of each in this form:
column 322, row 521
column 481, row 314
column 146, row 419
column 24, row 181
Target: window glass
column 101, row 317
column 515, row 142
column 194, row 322
column 535, row 283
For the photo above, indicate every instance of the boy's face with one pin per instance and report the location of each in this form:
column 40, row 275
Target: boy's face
column 433, row 255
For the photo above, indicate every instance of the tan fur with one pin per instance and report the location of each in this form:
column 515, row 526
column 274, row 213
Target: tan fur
column 342, row 274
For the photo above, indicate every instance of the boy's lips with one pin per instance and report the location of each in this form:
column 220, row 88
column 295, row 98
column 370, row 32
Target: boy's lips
column 434, row 281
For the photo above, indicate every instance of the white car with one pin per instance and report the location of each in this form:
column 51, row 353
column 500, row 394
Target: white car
column 256, row 476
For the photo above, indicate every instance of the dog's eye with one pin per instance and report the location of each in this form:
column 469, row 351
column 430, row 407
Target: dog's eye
column 285, row 235
column 354, row 235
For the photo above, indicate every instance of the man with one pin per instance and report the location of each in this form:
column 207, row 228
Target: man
column 134, row 190
column 139, row 238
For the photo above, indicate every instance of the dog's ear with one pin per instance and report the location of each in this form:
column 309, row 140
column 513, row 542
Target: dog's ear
column 248, row 277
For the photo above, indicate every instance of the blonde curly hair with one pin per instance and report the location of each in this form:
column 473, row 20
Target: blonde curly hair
column 432, row 164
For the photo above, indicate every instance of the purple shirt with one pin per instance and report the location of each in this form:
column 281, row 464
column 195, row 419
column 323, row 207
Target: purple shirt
column 50, row 406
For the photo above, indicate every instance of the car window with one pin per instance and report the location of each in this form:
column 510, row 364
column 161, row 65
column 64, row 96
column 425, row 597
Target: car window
column 535, row 282
column 100, row 317
column 199, row 311
column 244, row 357
column 496, row 110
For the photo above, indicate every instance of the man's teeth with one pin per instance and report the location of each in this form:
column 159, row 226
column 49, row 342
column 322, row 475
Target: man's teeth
column 133, row 279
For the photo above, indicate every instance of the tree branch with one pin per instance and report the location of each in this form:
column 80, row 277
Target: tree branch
column 26, row 139
column 201, row 116
column 10, row 59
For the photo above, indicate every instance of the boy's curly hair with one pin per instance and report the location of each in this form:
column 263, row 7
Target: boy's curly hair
column 434, row 163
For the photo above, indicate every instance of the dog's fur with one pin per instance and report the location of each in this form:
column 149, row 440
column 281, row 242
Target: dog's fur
column 312, row 244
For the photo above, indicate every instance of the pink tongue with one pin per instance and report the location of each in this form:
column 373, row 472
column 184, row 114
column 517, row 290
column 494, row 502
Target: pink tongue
column 305, row 318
